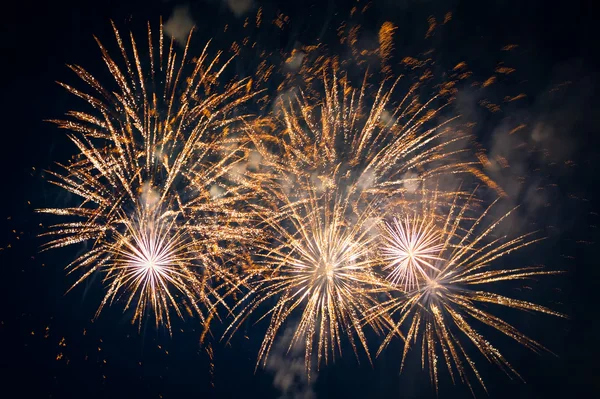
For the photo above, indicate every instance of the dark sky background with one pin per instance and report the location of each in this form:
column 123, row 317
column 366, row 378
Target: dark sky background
column 49, row 346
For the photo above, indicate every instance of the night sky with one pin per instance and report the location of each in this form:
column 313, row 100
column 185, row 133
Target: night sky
column 51, row 347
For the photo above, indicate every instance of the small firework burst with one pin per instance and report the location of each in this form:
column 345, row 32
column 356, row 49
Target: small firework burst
column 152, row 258
column 411, row 250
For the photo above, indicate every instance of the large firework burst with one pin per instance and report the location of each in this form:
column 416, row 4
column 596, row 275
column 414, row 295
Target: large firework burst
column 320, row 266
column 158, row 147
column 444, row 307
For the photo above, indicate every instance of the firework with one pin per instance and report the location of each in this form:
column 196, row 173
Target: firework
column 318, row 265
column 350, row 153
column 156, row 172
column 320, row 209
column 381, row 146
column 446, row 304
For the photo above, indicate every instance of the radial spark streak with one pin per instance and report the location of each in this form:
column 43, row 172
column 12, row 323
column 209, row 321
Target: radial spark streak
column 410, row 251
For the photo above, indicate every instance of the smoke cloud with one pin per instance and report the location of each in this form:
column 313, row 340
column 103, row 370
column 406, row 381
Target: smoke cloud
column 239, row 7
column 534, row 145
column 179, row 25
column 287, row 365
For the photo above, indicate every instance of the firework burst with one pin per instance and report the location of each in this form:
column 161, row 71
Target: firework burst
column 151, row 259
column 443, row 309
column 382, row 147
column 158, row 147
column 331, row 164
column 320, row 266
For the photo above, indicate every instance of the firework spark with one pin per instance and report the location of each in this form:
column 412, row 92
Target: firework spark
column 159, row 145
column 447, row 301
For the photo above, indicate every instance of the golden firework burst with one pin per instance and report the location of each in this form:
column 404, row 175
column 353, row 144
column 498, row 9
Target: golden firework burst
column 161, row 142
column 444, row 307
column 320, row 266
column 382, row 146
